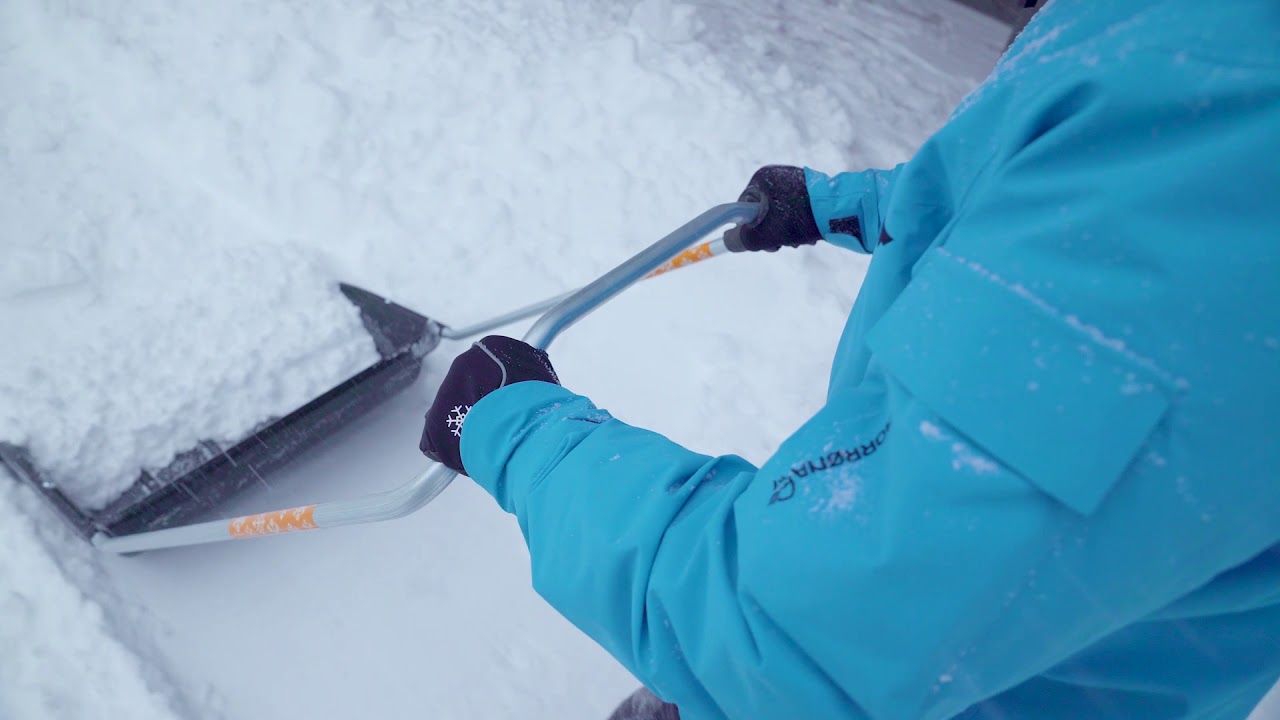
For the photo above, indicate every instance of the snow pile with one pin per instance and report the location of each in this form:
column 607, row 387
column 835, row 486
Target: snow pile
column 139, row 315
column 58, row 660
column 124, row 348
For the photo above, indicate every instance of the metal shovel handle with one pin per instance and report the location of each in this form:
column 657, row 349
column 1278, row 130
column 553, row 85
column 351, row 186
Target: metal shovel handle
column 666, row 254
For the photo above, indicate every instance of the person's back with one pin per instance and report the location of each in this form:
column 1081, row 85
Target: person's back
column 1045, row 480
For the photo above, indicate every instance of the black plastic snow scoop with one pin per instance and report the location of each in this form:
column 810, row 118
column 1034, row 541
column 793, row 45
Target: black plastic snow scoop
column 205, row 476
column 155, row 511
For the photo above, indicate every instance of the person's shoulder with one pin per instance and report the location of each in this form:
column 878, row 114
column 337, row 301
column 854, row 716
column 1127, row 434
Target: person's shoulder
column 1179, row 51
column 1196, row 85
column 1240, row 35
column 1241, row 32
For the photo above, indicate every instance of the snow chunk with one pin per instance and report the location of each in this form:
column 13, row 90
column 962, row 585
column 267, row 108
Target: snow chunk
column 964, row 457
column 842, row 496
column 930, row 430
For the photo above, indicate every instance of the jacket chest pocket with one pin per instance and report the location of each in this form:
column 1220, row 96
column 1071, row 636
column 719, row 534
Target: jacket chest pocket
column 1048, row 397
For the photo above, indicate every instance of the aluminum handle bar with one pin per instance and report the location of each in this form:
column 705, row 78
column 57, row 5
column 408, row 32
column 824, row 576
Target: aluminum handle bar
column 698, row 253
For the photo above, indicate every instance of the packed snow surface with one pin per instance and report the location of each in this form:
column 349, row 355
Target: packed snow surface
column 463, row 158
column 58, row 659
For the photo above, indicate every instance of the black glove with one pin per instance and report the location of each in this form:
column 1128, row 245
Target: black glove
column 491, row 363
column 785, row 215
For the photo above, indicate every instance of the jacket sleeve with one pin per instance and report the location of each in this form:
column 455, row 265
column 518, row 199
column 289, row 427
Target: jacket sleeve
column 630, row 535
column 849, row 581
column 849, row 207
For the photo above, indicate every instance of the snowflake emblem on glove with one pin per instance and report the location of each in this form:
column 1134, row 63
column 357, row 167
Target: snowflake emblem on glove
column 456, row 416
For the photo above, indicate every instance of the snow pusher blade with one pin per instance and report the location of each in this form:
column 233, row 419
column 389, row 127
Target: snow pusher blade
column 674, row 251
column 205, row 476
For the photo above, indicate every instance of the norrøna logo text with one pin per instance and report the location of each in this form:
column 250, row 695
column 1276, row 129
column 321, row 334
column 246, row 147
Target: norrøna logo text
column 784, row 488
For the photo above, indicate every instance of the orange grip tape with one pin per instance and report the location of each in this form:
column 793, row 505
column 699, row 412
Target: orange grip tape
column 270, row 523
column 697, row 253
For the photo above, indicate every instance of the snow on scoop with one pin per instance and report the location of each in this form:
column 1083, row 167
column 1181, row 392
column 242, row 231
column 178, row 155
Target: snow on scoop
column 408, row 337
column 202, row 478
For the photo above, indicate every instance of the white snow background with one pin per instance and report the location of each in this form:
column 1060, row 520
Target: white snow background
column 462, row 158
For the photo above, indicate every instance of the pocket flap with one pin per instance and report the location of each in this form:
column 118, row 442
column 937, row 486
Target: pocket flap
column 1046, row 396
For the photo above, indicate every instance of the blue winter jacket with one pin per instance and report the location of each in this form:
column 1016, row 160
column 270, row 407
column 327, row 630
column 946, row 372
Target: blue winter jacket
column 1046, row 482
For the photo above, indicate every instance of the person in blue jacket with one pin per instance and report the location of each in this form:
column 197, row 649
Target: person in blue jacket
column 1046, row 480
